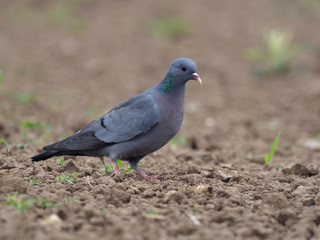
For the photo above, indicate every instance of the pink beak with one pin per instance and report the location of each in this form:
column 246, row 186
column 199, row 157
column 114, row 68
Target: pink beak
column 196, row 77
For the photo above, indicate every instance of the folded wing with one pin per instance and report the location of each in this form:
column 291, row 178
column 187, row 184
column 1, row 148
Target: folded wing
column 129, row 119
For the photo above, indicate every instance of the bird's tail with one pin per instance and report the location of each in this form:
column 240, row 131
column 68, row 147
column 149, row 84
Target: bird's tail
column 45, row 155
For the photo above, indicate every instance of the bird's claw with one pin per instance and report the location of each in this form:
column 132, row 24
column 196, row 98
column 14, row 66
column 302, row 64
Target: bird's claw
column 115, row 173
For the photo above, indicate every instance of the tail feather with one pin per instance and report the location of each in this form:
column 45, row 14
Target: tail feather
column 45, row 155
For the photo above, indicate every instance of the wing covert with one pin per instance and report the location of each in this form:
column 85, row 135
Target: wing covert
column 131, row 118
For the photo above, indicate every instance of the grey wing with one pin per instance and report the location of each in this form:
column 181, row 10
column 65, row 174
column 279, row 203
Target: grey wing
column 82, row 140
column 131, row 118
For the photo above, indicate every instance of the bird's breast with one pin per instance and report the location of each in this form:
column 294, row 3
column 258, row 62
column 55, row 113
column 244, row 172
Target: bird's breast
column 171, row 116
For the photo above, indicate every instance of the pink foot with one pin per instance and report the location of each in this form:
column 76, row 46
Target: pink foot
column 116, row 169
column 145, row 176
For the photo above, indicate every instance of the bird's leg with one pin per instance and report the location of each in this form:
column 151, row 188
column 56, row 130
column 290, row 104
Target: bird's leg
column 134, row 165
column 115, row 168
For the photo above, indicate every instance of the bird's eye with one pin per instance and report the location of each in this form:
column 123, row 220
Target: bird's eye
column 184, row 69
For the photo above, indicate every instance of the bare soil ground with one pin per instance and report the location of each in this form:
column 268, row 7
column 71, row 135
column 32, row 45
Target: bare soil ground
column 80, row 62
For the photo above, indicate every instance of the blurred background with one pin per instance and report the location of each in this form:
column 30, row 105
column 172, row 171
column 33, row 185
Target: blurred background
column 65, row 62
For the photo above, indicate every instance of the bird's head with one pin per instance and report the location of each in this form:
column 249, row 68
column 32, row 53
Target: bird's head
column 183, row 70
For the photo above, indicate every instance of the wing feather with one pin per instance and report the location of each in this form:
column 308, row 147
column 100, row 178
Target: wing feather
column 133, row 117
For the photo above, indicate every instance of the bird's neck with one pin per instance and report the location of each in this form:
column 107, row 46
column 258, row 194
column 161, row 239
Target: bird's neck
column 167, row 87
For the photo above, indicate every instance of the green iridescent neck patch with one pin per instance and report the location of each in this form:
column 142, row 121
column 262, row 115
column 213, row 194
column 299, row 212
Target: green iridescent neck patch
column 166, row 87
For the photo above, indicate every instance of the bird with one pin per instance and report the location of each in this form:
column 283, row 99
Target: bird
column 136, row 127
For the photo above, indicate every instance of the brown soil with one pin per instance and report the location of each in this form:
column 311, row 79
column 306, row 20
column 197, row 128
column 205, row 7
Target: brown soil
column 217, row 186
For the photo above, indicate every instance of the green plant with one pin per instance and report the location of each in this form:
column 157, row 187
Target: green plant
column 109, row 168
column 152, row 213
column 8, row 149
column 33, row 125
column 61, row 161
column 44, row 203
column 68, row 201
column 22, row 145
column 34, row 181
column 19, row 204
column 170, row 27
column 5, row 142
column 179, row 140
column 69, row 178
column 25, row 124
column 22, row 205
column 318, row 136
column 268, row 157
column 1, row 76
column 104, row 210
column 277, row 55
column 26, row 97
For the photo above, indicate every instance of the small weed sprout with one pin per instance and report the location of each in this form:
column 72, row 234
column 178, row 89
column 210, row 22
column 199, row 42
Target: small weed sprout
column 34, row 181
column 25, row 124
column 18, row 203
column 128, row 169
column 33, row 125
column 22, row 205
column 68, row 201
column 119, row 164
column 268, row 157
column 22, row 146
column 318, row 137
column 109, row 168
column 152, row 213
column 179, row 140
column 170, row 27
column 61, row 161
column 8, row 149
column 5, row 142
column 44, row 203
column 1, row 77
column 23, row 97
column 69, row 178
column 277, row 55
column 104, row 210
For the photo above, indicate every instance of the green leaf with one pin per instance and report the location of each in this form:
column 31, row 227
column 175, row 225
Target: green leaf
column 25, row 124
column 179, row 140
column 152, row 213
column 34, row 181
column 22, row 146
column 61, row 161
column 268, row 157
column 119, row 164
column 23, row 97
column 69, row 178
column 129, row 169
column 1, row 76
column 4, row 141
column 318, row 136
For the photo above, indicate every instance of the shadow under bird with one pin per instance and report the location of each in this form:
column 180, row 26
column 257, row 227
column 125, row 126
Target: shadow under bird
column 136, row 127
